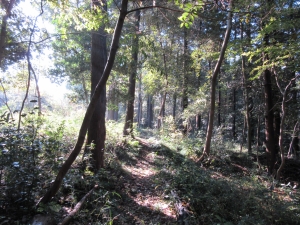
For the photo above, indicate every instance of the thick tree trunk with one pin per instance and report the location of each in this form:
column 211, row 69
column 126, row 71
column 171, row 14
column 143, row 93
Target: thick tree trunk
column 3, row 33
column 269, row 118
column 91, row 107
column 206, row 151
column 96, row 130
column 128, row 127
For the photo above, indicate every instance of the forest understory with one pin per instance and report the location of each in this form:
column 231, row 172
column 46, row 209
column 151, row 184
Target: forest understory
column 146, row 181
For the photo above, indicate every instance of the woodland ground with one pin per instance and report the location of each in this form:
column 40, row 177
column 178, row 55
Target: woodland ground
column 147, row 179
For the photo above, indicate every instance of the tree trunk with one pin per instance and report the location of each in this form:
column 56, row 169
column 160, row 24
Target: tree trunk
column 174, row 106
column 3, row 33
column 206, row 151
column 112, row 112
column 96, row 130
column 128, row 127
column 246, row 97
column 164, row 97
column 149, row 111
column 234, row 115
column 281, row 132
column 269, row 118
column 140, row 103
column 198, row 122
column 91, row 107
column 219, row 103
column 277, row 121
column 85, row 92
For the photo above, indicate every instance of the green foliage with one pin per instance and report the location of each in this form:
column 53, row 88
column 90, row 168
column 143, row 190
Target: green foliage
column 28, row 159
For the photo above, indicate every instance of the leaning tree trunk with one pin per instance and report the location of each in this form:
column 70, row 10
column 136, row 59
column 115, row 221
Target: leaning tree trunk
column 206, row 151
column 91, row 107
column 96, row 130
column 128, row 127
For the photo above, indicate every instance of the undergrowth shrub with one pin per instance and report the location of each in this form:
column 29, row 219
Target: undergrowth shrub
column 29, row 157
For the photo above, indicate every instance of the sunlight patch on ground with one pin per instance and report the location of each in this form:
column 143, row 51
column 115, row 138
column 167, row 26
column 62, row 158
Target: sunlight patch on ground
column 155, row 204
column 139, row 172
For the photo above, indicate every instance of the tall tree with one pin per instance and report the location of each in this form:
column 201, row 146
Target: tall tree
column 91, row 107
column 128, row 127
column 206, row 151
column 96, row 130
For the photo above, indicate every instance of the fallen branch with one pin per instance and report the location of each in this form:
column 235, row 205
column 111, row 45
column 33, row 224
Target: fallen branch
column 182, row 210
column 68, row 218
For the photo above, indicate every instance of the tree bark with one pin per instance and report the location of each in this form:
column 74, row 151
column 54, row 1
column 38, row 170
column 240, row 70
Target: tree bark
column 91, row 107
column 206, row 151
column 128, row 127
column 96, row 130
column 174, row 106
column 234, row 115
column 3, row 33
column 246, row 97
column 164, row 97
column 281, row 132
column 269, row 118
column 140, row 103
column 149, row 111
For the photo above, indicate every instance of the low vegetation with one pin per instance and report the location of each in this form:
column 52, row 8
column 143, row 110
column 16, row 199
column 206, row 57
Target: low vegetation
column 144, row 180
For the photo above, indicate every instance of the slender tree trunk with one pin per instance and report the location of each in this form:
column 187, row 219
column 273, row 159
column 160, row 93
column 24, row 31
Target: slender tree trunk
column 149, row 111
column 281, row 132
column 185, row 75
column 293, row 148
column 128, row 127
column 29, row 69
column 198, row 122
column 112, row 113
column 277, row 122
column 37, row 89
column 140, row 103
column 85, row 92
column 246, row 97
column 91, row 107
column 234, row 114
column 219, row 102
column 174, row 106
column 206, row 151
column 96, row 130
column 164, row 97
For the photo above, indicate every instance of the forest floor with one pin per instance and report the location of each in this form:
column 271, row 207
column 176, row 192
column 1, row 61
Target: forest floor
column 147, row 182
column 157, row 185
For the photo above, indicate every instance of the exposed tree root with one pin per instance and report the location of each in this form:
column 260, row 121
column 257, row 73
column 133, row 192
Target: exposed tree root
column 68, row 218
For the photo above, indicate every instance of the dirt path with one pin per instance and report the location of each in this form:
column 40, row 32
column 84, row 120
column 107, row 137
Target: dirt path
column 145, row 200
